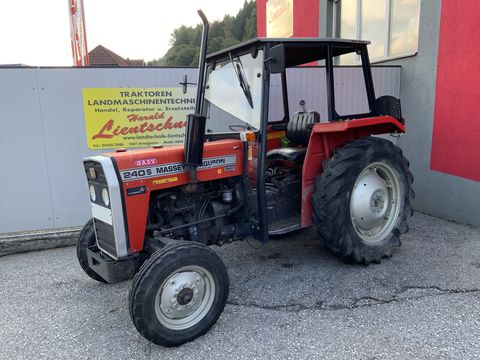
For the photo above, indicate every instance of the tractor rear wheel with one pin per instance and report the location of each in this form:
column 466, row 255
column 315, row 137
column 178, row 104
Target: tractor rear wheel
column 362, row 200
column 85, row 240
column 178, row 293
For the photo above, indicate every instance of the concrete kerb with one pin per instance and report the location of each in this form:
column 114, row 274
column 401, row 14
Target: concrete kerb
column 14, row 243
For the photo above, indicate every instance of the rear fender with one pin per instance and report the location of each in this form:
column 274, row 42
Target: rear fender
column 325, row 137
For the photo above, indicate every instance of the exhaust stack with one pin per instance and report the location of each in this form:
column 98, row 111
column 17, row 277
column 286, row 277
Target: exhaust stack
column 194, row 138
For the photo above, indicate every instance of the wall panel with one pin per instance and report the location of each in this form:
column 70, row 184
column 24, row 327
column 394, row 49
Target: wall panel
column 42, row 138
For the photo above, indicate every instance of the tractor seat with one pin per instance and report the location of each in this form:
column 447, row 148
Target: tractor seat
column 298, row 132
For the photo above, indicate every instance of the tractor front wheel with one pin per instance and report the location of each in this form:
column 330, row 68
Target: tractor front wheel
column 85, row 240
column 362, row 201
column 179, row 293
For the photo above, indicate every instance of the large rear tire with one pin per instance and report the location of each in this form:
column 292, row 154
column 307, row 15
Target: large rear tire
column 85, row 240
column 179, row 293
column 362, row 200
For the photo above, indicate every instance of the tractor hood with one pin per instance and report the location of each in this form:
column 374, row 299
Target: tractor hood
column 164, row 167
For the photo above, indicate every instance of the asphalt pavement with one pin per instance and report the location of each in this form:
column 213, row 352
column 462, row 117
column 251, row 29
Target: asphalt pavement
column 289, row 299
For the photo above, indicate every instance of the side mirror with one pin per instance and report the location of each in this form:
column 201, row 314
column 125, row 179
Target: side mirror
column 277, row 59
column 184, row 84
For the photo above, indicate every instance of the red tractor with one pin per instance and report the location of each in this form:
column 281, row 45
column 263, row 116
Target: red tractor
column 156, row 211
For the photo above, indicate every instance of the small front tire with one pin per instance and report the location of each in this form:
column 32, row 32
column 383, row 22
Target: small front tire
column 85, row 240
column 179, row 293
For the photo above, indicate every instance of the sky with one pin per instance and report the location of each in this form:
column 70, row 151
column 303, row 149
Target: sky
column 37, row 32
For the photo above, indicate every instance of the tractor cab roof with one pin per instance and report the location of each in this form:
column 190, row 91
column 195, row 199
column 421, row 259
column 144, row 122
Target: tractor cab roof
column 297, row 50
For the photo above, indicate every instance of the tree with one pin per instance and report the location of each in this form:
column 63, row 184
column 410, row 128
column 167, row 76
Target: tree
column 185, row 41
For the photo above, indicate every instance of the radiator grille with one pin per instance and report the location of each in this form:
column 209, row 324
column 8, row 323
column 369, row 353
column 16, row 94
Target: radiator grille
column 105, row 237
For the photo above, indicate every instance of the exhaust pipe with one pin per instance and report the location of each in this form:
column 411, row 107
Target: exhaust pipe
column 195, row 133
column 201, row 62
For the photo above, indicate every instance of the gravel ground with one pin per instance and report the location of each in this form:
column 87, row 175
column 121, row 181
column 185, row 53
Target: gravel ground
column 290, row 299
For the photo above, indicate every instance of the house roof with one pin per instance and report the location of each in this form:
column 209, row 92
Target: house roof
column 105, row 57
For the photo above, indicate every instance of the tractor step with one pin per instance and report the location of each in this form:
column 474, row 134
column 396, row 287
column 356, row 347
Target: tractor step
column 285, row 226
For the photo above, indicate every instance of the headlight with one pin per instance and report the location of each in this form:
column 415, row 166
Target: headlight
column 93, row 195
column 105, row 198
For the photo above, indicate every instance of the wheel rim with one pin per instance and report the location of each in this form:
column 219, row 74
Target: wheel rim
column 185, row 297
column 375, row 202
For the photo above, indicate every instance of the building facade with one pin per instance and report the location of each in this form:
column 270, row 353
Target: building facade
column 435, row 44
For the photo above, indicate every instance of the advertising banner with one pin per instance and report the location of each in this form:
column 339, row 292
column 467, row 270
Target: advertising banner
column 279, row 18
column 135, row 117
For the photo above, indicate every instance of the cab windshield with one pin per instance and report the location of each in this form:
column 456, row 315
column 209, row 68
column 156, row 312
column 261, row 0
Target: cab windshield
column 233, row 94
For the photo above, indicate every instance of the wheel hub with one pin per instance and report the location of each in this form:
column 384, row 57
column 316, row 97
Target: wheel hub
column 368, row 200
column 185, row 297
column 375, row 202
column 180, row 295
